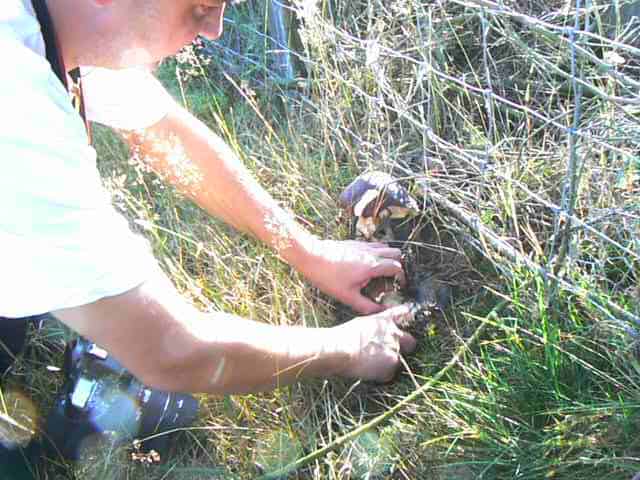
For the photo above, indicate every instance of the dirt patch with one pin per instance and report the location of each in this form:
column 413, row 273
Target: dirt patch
column 438, row 268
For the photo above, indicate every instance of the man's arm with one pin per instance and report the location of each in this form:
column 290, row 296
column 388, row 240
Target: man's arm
column 187, row 154
column 169, row 345
column 202, row 166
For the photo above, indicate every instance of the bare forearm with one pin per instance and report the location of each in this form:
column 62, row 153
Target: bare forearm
column 227, row 354
column 203, row 167
column 188, row 154
column 170, row 345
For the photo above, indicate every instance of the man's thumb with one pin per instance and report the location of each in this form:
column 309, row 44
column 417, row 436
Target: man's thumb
column 365, row 306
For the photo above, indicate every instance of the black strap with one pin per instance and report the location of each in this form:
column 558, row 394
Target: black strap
column 50, row 40
column 54, row 57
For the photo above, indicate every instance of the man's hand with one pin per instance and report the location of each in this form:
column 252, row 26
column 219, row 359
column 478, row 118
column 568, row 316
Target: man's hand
column 374, row 344
column 167, row 344
column 185, row 152
column 343, row 268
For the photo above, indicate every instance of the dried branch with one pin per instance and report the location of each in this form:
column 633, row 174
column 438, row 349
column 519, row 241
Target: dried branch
column 503, row 248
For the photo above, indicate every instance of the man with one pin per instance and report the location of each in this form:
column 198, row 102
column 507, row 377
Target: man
column 64, row 250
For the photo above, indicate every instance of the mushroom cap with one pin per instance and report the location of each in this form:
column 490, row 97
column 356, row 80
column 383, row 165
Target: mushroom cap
column 370, row 193
column 383, row 290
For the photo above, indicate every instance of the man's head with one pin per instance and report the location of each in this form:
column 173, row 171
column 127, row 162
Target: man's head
column 125, row 33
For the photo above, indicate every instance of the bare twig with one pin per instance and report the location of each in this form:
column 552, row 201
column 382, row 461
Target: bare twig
column 563, row 220
column 474, row 223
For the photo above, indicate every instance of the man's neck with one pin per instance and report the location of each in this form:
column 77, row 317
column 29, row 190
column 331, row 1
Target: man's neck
column 58, row 9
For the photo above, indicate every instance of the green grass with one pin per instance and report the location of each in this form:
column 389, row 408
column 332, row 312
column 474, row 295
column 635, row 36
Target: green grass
column 551, row 388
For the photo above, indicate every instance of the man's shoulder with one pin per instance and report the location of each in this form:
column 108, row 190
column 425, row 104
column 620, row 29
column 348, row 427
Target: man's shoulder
column 18, row 22
column 28, row 73
column 31, row 95
column 15, row 11
column 25, row 65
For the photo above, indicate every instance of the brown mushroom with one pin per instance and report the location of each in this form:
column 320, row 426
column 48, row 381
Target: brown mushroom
column 374, row 197
column 384, row 290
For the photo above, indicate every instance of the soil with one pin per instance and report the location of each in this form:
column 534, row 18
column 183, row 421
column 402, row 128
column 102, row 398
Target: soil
column 437, row 268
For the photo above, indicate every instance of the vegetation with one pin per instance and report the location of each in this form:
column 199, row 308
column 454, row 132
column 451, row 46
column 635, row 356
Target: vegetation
column 517, row 125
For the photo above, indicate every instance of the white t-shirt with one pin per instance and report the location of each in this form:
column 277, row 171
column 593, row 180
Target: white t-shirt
column 62, row 244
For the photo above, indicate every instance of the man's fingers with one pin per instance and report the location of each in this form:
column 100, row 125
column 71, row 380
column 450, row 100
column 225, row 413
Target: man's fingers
column 384, row 250
column 387, row 252
column 401, row 314
column 362, row 243
column 363, row 305
column 378, row 248
column 389, row 268
column 407, row 342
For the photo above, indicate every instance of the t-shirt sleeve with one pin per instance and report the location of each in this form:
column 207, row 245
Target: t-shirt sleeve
column 62, row 243
column 128, row 99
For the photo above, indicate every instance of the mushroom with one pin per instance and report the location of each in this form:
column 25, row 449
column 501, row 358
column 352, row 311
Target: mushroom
column 384, row 290
column 375, row 197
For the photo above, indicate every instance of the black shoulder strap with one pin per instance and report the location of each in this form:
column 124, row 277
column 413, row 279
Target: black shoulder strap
column 54, row 57
column 50, row 40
